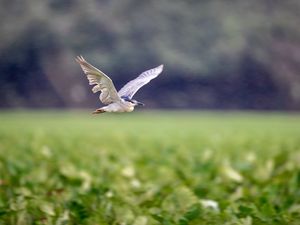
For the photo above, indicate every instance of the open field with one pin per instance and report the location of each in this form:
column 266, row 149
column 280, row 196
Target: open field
column 145, row 168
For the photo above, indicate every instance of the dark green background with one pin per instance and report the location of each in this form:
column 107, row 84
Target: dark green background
column 217, row 54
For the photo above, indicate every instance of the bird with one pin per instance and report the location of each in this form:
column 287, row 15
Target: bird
column 122, row 100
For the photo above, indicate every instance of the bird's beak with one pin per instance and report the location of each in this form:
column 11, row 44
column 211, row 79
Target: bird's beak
column 139, row 103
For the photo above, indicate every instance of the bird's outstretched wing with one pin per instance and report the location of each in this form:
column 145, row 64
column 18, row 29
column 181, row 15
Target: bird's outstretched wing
column 133, row 86
column 101, row 81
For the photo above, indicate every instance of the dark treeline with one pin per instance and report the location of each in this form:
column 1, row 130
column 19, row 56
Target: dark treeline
column 217, row 54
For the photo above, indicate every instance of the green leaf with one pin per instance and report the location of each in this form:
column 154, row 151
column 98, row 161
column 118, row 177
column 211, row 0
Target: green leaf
column 48, row 208
column 78, row 210
column 191, row 214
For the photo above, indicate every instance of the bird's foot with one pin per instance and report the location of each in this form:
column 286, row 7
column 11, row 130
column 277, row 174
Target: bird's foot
column 98, row 111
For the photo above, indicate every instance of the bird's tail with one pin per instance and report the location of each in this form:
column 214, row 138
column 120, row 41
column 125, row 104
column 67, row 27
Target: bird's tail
column 98, row 111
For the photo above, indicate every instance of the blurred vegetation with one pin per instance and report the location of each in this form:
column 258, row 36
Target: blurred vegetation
column 217, row 54
column 149, row 169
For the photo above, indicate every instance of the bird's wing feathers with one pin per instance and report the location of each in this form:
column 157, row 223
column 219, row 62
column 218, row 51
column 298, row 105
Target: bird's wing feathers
column 101, row 81
column 133, row 86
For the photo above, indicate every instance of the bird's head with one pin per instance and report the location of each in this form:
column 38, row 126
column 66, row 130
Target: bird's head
column 133, row 101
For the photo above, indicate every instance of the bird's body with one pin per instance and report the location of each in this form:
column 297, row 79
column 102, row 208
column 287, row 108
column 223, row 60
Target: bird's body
column 116, row 101
column 122, row 106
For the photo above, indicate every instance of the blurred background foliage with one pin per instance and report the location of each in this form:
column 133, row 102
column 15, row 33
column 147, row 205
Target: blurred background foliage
column 217, row 54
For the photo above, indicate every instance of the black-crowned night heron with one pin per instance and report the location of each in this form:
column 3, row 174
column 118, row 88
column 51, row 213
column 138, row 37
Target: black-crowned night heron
column 116, row 101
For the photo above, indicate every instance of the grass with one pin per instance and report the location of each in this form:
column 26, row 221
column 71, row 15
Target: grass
column 145, row 168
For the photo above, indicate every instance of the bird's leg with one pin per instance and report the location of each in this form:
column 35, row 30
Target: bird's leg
column 98, row 111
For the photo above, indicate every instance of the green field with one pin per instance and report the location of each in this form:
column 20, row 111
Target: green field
column 147, row 168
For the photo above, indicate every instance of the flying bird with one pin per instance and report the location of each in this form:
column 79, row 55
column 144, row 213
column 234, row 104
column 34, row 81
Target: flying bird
column 120, row 101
